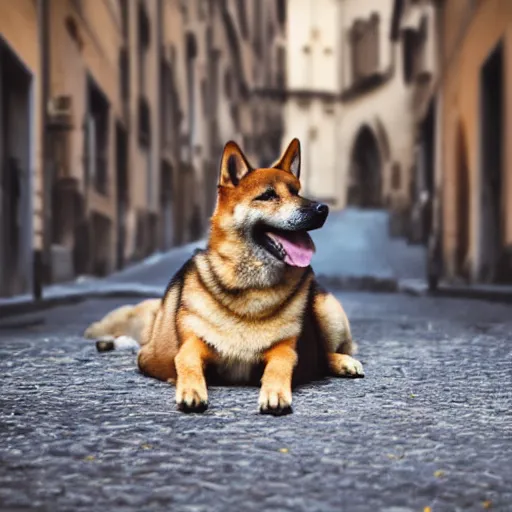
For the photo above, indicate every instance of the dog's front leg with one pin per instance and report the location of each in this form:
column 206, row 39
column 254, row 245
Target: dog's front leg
column 276, row 383
column 190, row 362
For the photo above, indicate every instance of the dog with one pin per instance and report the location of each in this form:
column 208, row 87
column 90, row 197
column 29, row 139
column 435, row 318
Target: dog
column 247, row 309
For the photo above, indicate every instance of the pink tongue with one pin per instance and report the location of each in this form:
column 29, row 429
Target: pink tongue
column 298, row 246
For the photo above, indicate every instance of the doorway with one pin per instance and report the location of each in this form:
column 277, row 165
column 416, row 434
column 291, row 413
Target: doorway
column 15, row 198
column 491, row 164
column 166, row 207
column 365, row 174
column 463, row 203
column 121, row 192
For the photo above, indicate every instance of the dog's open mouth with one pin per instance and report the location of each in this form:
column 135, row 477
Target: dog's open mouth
column 293, row 247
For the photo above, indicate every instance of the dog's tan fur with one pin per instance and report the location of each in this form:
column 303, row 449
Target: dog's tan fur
column 231, row 315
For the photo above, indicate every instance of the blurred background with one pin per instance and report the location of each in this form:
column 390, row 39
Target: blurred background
column 113, row 115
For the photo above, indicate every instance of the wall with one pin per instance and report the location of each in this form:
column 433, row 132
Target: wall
column 18, row 27
column 312, row 63
column 18, row 31
column 321, row 113
column 385, row 108
column 468, row 41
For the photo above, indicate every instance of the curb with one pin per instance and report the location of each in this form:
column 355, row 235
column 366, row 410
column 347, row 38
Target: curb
column 417, row 288
column 346, row 283
column 359, row 283
column 31, row 306
column 502, row 296
column 497, row 294
column 114, row 288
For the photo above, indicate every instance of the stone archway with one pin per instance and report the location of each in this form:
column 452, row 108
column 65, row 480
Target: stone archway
column 365, row 178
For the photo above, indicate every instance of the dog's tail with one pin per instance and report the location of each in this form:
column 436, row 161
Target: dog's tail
column 122, row 327
column 107, row 343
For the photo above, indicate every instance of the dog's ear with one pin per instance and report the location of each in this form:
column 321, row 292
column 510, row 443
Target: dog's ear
column 233, row 166
column 290, row 159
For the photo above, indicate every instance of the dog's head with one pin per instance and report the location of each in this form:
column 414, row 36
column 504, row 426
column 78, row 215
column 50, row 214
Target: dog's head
column 262, row 209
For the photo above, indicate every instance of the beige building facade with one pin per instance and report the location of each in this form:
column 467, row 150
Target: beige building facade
column 348, row 103
column 416, row 28
column 462, row 118
column 21, row 146
column 476, row 56
column 116, row 115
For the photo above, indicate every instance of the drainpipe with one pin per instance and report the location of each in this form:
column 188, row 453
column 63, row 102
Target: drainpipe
column 41, row 272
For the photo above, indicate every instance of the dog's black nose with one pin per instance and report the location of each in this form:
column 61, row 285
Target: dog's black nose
column 321, row 209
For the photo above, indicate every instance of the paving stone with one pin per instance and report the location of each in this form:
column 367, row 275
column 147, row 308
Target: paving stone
column 429, row 426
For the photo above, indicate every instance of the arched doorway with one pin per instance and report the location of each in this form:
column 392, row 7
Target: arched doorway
column 492, row 265
column 462, row 201
column 191, row 55
column 365, row 179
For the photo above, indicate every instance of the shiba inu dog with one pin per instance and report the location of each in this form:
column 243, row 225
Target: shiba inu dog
column 247, row 309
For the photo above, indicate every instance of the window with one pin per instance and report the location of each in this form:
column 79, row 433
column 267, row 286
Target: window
column 204, row 97
column 144, row 121
column 228, row 84
column 143, row 45
column 203, row 10
column 242, row 17
column 184, row 10
column 258, row 27
column 281, row 11
column 191, row 85
column 281, row 69
column 97, row 138
column 123, row 7
column 364, row 36
column 149, row 178
column 167, row 104
column 415, row 52
column 124, row 74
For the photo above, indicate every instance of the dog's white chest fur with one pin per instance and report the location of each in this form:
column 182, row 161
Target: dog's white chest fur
column 238, row 340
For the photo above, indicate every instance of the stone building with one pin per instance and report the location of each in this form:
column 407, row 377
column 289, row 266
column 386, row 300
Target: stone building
column 348, row 102
column 415, row 28
column 20, row 145
column 468, row 118
column 114, row 116
column 476, row 65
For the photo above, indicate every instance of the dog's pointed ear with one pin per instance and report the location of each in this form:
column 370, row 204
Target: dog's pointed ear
column 290, row 159
column 233, row 166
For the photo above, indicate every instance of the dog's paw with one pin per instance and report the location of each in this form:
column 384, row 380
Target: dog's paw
column 192, row 398
column 343, row 365
column 275, row 401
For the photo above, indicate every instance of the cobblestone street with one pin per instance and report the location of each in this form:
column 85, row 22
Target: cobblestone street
column 429, row 426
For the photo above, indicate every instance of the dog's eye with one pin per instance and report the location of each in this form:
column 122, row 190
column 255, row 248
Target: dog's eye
column 268, row 195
